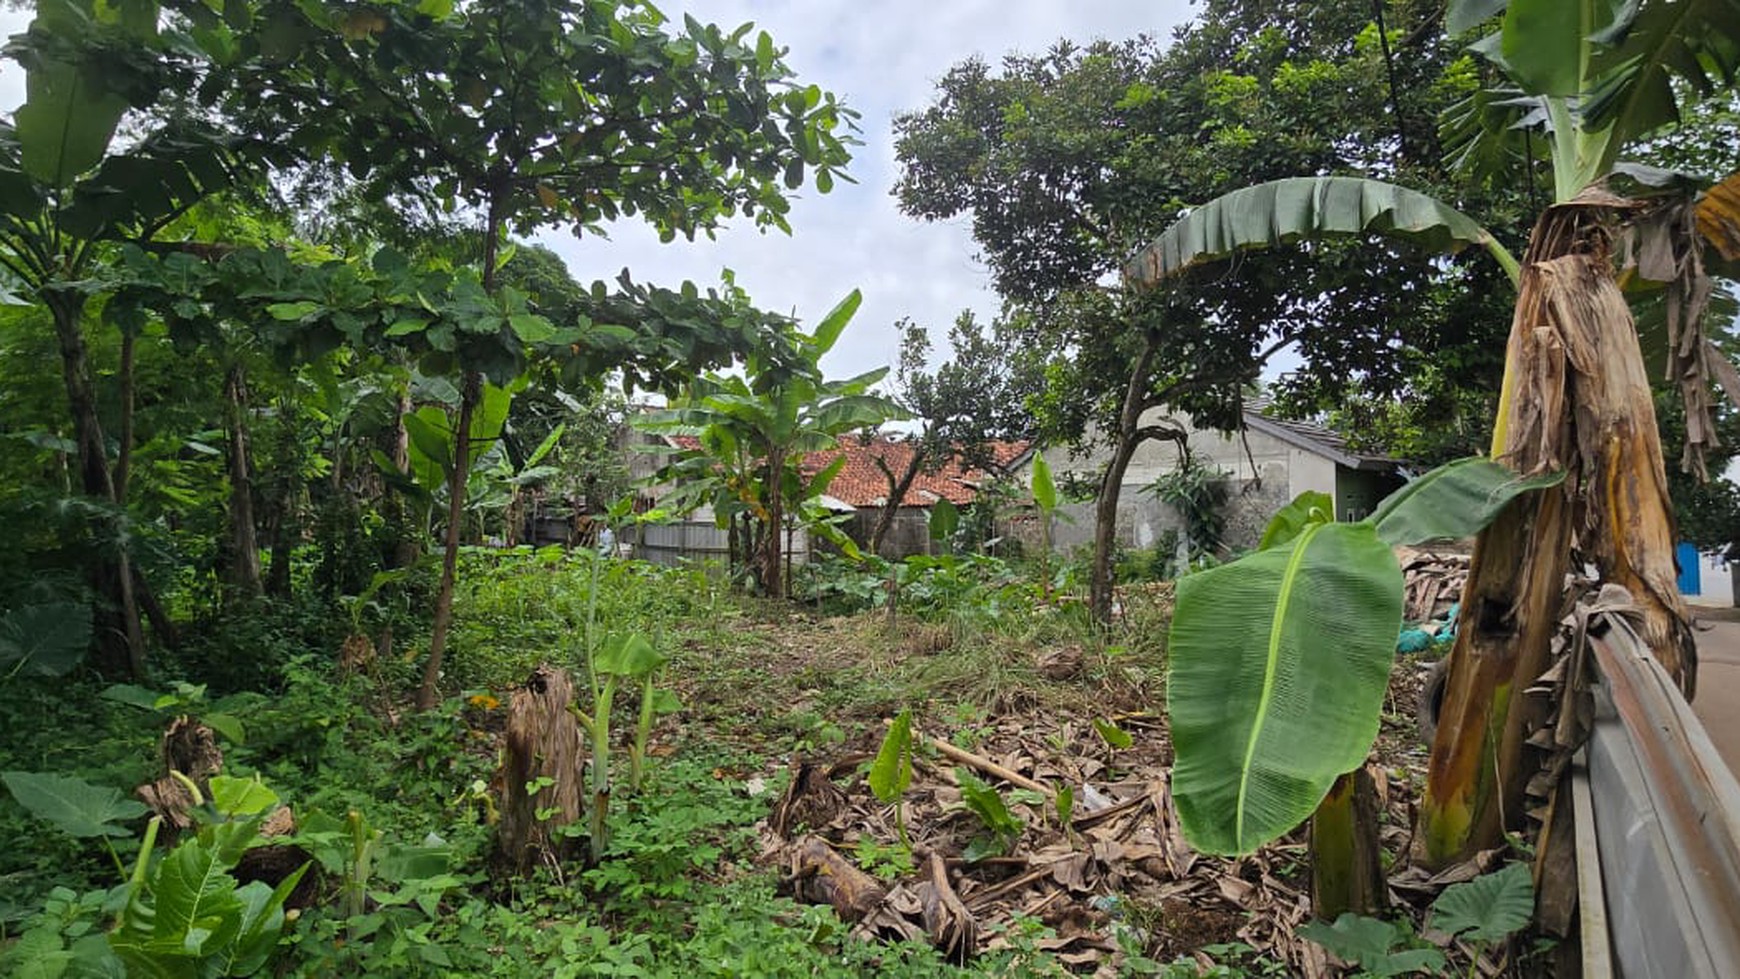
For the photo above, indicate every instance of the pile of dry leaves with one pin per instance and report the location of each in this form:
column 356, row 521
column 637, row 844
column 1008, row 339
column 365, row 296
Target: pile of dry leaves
column 1118, row 877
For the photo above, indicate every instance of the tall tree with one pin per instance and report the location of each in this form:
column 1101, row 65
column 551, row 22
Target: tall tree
column 68, row 191
column 963, row 406
column 1070, row 161
column 550, row 113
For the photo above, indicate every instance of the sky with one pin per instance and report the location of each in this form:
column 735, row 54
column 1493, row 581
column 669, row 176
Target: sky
column 882, row 59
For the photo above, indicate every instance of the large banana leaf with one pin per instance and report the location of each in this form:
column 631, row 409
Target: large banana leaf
column 1453, row 501
column 1278, row 667
column 1282, row 212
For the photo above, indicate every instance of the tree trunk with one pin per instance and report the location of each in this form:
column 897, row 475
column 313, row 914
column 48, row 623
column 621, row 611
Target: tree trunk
column 124, row 459
column 1346, row 860
column 470, row 388
column 772, row 569
column 1127, row 437
column 244, row 569
column 120, row 639
column 897, row 489
column 1577, row 399
column 409, row 545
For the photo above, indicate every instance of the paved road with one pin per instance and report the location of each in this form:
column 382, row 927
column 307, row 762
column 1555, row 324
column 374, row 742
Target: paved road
column 1718, row 700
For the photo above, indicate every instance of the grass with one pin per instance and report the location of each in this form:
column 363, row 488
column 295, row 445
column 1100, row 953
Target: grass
column 682, row 892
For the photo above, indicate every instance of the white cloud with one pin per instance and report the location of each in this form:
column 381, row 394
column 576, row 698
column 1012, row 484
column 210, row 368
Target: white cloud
column 881, row 58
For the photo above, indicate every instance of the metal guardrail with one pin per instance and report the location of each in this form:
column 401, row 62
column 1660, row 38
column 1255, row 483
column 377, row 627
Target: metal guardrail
column 1666, row 823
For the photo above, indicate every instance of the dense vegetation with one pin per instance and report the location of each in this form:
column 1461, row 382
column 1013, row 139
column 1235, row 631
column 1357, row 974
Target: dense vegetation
column 289, row 392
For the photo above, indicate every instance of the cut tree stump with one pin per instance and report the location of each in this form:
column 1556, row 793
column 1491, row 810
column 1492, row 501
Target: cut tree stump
column 543, row 742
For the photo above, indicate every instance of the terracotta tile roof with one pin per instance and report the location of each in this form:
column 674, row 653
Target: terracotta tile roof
column 861, row 484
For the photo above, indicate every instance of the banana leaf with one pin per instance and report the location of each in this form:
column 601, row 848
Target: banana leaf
column 1453, row 501
column 1281, row 212
column 1278, row 667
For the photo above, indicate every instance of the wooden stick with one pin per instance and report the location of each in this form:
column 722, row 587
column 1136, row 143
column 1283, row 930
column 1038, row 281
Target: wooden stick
column 990, row 767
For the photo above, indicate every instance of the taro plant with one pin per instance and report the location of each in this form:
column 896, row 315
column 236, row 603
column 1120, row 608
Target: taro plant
column 985, row 802
column 183, row 698
column 891, row 772
column 1481, row 911
column 1279, row 661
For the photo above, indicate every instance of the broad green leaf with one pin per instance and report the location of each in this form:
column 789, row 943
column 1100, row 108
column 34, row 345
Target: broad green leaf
column 891, row 772
column 627, row 655
column 1278, row 664
column 195, row 908
column 227, row 725
column 1465, row 15
column 820, row 482
column 1044, row 490
column 292, row 311
column 241, row 796
column 1546, row 44
column 431, row 437
column 1282, row 212
column 547, row 446
column 1455, row 500
column 65, row 124
column 1306, row 509
column 133, row 696
column 1370, row 944
column 987, row 803
column 262, row 921
column 531, row 328
column 73, row 805
column 945, row 519
column 829, row 329
column 44, row 640
column 1489, row 907
column 1113, row 735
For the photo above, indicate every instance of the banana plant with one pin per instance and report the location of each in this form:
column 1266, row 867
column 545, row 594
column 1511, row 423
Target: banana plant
column 1278, row 662
column 620, row 658
column 751, row 434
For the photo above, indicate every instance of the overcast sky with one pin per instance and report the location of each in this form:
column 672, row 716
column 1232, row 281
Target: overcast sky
column 881, row 58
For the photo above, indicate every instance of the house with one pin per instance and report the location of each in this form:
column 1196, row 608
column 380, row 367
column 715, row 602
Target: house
column 1269, row 463
column 860, row 488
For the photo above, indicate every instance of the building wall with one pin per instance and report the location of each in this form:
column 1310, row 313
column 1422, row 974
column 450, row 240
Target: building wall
column 1264, row 474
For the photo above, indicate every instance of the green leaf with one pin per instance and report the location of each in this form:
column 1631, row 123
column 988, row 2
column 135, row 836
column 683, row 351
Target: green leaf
column 1455, row 500
column 1278, row 665
column 1489, row 907
column 531, row 328
column 1368, row 943
column 227, row 725
column 65, row 124
column 1112, row 734
column 1282, row 212
column 410, row 324
column 1545, row 44
column 1309, row 507
column 1065, row 804
column 73, row 805
column 431, row 438
column 987, row 803
column 627, row 655
column 44, row 640
column 891, row 772
column 132, row 696
column 241, row 796
column 1465, row 15
column 829, row 329
column 292, row 311
column 1044, row 490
